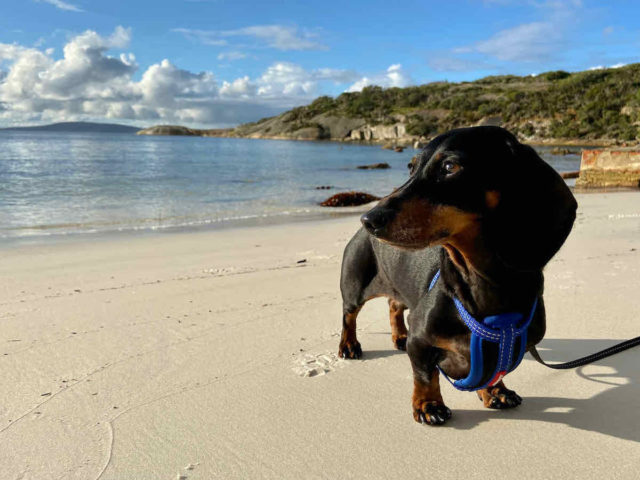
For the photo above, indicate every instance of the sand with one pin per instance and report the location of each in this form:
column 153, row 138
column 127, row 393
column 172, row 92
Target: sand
column 213, row 355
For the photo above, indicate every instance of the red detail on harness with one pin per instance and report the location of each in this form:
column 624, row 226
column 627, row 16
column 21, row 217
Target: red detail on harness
column 499, row 376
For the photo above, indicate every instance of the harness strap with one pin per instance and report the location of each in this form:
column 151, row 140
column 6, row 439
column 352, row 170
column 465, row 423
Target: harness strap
column 505, row 329
column 507, row 336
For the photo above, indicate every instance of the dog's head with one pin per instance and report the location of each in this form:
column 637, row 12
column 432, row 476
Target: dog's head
column 479, row 185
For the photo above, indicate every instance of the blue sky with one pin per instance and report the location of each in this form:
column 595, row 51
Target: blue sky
column 220, row 62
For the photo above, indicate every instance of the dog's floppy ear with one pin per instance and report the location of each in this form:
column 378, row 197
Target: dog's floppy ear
column 535, row 212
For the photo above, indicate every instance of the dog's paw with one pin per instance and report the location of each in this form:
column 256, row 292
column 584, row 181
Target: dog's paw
column 350, row 350
column 499, row 398
column 431, row 413
column 400, row 343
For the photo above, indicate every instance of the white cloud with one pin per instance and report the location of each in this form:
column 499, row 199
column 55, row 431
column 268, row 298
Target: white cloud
column 602, row 67
column 62, row 5
column 394, row 76
column 231, row 56
column 206, row 37
column 539, row 41
column 94, row 79
column 280, row 37
column 240, row 87
column 528, row 42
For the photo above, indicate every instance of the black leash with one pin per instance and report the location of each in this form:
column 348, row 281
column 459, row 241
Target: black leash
column 607, row 352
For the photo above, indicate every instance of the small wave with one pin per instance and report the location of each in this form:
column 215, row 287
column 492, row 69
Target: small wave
column 63, row 229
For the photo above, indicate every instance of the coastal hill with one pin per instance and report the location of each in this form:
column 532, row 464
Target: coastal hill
column 82, row 127
column 593, row 106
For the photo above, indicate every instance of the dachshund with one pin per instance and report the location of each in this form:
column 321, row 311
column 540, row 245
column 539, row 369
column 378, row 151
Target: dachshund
column 484, row 214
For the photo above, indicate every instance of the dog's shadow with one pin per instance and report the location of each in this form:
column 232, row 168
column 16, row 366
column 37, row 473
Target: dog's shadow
column 613, row 411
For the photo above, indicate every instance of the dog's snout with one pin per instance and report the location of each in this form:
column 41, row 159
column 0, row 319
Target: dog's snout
column 376, row 220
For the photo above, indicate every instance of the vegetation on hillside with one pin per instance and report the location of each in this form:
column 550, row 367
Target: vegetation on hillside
column 592, row 104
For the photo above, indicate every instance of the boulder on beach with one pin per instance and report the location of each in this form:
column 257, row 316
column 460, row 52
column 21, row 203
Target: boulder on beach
column 563, row 151
column 349, row 199
column 374, row 166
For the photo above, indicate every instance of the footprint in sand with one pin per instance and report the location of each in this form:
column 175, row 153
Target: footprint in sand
column 314, row 365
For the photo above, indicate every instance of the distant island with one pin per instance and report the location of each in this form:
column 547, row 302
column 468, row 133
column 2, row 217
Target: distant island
column 80, row 127
column 591, row 107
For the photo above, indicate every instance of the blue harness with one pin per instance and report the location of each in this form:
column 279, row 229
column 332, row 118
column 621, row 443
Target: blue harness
column 507, row 330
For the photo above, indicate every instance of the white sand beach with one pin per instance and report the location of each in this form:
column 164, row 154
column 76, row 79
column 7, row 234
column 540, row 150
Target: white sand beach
column 213, row 355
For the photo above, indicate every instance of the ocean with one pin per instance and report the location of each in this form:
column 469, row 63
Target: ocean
column 64, row 184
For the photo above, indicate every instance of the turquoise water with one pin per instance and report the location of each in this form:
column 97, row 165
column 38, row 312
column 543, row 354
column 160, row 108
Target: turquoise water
column 63, row 184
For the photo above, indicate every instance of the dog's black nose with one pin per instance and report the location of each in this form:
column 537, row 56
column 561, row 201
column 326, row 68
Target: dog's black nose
column 376, row 219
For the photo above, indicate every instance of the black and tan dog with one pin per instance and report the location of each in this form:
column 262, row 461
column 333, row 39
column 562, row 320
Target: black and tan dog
column 488, row 213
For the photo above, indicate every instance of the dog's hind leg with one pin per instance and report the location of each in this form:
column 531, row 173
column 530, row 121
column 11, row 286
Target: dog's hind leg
column 398, row 328
column 359, row 282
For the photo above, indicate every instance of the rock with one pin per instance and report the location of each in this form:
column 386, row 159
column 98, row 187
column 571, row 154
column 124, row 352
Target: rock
column 379, row 132
column 349, row 199
column 609, row 168
column 309, row 133
column 180, row 130
column 563, row 151
column 374, row 166
column 398, row 148
column 574, row 174
column 387, row 146
column 490, row 121
column 168, row 130
column 412, row 164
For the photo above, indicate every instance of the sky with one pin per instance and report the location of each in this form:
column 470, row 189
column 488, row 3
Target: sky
column 217, row 63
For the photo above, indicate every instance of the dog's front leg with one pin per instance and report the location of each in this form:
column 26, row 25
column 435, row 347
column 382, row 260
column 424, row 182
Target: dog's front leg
column 499, row 397
column 428, row 406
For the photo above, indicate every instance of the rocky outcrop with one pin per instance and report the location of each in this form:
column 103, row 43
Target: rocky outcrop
column 349, row 199
column 168, row 130
column 377, row 133
column 609, row 168
column 180, row 130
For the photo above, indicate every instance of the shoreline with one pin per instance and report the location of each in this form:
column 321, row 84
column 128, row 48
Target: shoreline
column 204, row 227
column 407, row 142
column 322, row 216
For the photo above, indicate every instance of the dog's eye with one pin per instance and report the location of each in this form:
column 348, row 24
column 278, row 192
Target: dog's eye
column 451, row 167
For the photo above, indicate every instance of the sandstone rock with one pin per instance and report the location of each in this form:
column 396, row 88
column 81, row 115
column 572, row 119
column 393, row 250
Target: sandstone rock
column 609, row 168
column 349, row 199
